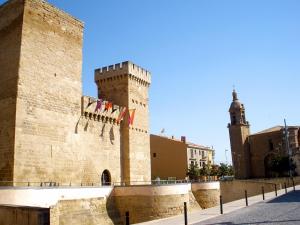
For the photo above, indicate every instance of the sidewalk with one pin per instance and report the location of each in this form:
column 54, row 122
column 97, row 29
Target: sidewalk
column 201, row 215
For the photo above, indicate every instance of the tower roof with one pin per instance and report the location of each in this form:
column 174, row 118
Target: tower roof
column 235, row 105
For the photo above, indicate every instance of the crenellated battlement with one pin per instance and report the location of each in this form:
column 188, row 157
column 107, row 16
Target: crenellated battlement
column 119, row 70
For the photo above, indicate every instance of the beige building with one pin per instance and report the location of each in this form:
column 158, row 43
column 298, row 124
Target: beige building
column 49, row 131
column 171, row 158
column 251, row 153
column 199, row 154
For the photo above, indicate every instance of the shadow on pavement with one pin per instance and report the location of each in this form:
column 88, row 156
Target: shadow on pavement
column 262, row 222
column 293, row 196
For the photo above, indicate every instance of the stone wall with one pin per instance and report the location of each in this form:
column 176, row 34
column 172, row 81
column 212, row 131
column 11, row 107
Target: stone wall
column 146, row 203
column 10, row 41
column 234, row 190
column 101, row 205
column 93, row 211
column 127, row 85
column 206, row 194
column 41, row 102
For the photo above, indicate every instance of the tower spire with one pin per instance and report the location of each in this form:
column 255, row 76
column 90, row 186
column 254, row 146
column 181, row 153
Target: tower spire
column 234, row 95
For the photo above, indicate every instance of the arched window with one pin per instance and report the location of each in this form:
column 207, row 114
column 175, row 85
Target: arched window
column 105, row 178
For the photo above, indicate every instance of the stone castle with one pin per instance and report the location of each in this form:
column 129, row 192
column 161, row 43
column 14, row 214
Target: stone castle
column 49, row 131
column 252, row 153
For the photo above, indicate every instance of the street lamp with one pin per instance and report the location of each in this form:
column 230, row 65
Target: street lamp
column 226, row 150
column 287, row 145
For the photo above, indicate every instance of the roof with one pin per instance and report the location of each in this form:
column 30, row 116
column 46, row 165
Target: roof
column 166, row 137
column 274, row 129
column 189, row 144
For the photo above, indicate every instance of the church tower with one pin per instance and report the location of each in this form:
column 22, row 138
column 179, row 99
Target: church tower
column 127, row 85
column 239, row 131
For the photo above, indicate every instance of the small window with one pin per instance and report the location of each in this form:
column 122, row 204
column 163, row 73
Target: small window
column 154, row 155
column 233, row 120
column 271, row 145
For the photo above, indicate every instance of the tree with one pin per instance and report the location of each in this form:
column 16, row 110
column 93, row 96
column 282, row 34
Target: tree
column 205, row 170
column 280, row 165
column 225, row 170
column 214, row 170
column 193, row 171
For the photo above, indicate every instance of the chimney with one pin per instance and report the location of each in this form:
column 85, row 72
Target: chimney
column 183, row 139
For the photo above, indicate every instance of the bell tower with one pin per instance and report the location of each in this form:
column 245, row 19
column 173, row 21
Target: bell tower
column 127, row 84
column 239, row 130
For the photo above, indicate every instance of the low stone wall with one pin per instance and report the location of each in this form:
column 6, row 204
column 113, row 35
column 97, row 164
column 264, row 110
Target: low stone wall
column 18, row 215
column 101, row 205
column 93, row 211
column 46, row 197
column 146, row 203
column 234, row 190
column 206, row 194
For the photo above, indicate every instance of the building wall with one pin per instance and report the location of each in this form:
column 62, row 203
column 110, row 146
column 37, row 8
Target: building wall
column 11, row 15
column 240, row 150
column 199, row 154
column 41, row 102
column 127, row 85
column 170, row 160
column 260, row 148
column 263, row 145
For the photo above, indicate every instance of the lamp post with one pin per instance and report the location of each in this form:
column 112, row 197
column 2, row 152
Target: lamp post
column 226, row 150
column 287, row 145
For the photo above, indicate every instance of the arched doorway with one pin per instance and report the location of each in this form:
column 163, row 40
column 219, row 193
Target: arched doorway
column 105, row 178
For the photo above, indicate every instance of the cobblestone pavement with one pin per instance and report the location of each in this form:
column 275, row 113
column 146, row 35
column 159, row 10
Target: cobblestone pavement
column 284, row 210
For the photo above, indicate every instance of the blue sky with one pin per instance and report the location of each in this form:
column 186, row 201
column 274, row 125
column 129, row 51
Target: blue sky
column 197, row 50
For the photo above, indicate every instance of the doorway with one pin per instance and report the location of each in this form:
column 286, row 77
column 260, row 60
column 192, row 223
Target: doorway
column 105, row 178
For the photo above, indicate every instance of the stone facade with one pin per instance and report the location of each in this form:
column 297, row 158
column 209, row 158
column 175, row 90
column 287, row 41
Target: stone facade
column 235, row 189
column 251, row 153
column 127, row 84
column 44, row 115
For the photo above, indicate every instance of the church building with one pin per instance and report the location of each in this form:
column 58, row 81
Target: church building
column 252, row 153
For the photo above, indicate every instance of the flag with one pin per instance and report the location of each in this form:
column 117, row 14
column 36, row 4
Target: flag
column 108, row 105
column 131, row 116
column 99, row 105
column 114, row 108
column 121, row 114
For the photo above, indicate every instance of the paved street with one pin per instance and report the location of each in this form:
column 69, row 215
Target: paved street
column 283, row 210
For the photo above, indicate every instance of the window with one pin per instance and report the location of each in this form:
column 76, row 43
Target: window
column 271, row 145
column 203, row 154
column 154, row 155
column 192, row 153
column 192, row 162
column 200, row 163
column 233, row 120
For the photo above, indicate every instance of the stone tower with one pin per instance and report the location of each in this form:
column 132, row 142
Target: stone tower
column 239, row 131
column 40, row 90
column 127, row 85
